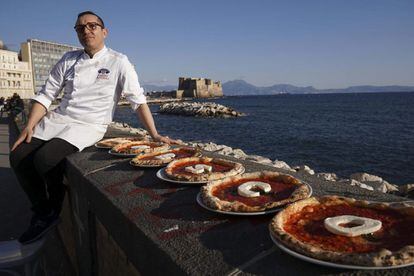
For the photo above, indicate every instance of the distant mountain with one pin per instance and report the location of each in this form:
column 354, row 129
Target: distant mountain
column 150, row 87
column 240, row 87
column 370, row 88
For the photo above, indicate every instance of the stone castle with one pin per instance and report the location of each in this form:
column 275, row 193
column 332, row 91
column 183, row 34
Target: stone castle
column 198, row 88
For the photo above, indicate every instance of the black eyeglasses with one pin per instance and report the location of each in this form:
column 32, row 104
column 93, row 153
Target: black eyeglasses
column 91, row 26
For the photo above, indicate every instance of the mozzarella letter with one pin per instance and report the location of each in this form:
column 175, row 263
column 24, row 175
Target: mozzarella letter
column 165, row 156
column 363, row 225
column 140, row 147
column 246, row 188
column 199, row 169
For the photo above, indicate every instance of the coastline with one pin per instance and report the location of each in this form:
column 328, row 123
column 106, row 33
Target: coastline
column 343, row 134
column 199, row 109
column 360, row 179
column 124, row 102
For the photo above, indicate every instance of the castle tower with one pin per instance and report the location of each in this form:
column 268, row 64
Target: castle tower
column 199, row 88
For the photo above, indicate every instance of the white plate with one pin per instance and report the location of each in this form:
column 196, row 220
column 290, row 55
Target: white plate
column 122, row 154
column 201, row 203
column 277, row 209
column 330, row 264
column 163, row 176
column 101, row 147
column 147, row 166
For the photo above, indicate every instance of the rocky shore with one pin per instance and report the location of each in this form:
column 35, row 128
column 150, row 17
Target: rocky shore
column 361, row 179
column 124, row 102
column 197, row 109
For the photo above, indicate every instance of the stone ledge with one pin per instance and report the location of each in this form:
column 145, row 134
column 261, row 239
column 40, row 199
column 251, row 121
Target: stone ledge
column 160, row 228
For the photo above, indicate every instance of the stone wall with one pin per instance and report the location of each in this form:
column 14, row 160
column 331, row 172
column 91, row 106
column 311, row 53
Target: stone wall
column 98, row 253
column 121, row 220
column 111, row 259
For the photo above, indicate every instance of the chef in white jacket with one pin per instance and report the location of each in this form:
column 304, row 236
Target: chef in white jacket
column 92, row 80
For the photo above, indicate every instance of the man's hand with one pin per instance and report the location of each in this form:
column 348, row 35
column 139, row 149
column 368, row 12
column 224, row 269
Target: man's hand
column 144, row 114
column 25, row 135
column 167, row 140
column 36, row 114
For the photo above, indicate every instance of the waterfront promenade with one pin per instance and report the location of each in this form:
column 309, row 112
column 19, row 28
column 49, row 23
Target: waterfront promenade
column 15, row 208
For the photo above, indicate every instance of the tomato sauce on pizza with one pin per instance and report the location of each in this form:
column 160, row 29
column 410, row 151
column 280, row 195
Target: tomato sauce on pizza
column 215, row 167
column 129, row 148
column 279, row 191
column 182, row 153
column 179, row 153
column 308, row 226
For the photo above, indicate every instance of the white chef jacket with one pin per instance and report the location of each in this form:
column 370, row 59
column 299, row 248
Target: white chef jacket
column 92, row 88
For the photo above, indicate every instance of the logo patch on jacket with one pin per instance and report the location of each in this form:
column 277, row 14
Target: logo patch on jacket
column 103, row 74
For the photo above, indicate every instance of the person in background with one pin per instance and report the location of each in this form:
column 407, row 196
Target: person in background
column 2, row 102
column 93, row 80
column 15, row 105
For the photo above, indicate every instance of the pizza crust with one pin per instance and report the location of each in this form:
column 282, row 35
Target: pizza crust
column 127, row 147
column 383, row 257
column 141, row 159
column 111, row 142
column 302, row 191
column 236, row 168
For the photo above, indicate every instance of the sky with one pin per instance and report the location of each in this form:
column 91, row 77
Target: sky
column 325, row 44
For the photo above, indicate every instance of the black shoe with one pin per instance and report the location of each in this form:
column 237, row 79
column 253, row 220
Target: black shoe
column 39, row 226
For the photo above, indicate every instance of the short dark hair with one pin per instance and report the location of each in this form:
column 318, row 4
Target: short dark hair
column 92, row 13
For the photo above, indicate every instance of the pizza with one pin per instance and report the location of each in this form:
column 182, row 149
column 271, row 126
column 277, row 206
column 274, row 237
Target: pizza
column 111, row 142
column 348, row 231
column 137, row 147
column 253, row 192
column 164, row 157
column 202, row 169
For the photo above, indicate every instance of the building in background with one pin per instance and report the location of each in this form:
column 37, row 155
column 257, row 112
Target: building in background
column 15, row 75
column 198, row 88
column 42, row 56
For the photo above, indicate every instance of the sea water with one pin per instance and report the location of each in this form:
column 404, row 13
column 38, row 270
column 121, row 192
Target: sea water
column 340, row 133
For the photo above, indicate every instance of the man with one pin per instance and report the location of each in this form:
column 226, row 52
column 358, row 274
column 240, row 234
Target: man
column 93, row 80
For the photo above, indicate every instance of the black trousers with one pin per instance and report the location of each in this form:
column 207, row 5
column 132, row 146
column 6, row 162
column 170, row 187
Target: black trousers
column 39, row 167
